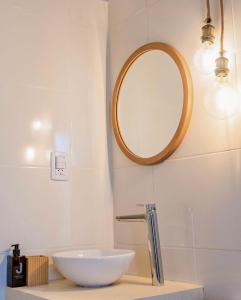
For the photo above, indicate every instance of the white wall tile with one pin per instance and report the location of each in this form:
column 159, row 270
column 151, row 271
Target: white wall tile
column 174, row 197
column 89, row 138
column 43, row 7
column 32, row 219
column 179, row 264
column 216, row 212
column 203, row 208
column 121, row 10
column 132, row 186
column 53, row 70
column 91, row 209
column 236, row 5
column 162, row 16
column 126, row 39
column 151, row 2
column 69, row 211
column 82, row 56
column 133, row 233
column 89, row 14
column 220, row 273
column 141, row 263
column 33, row 118
column 35, row 49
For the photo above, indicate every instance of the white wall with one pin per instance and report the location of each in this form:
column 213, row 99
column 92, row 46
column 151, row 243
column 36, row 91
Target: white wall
column 52, row 69
column 197, row 190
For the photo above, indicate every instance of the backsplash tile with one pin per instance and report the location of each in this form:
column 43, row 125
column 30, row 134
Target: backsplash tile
column 53, row 98
column 180, row 264
column 219, row 272
column 197, row 189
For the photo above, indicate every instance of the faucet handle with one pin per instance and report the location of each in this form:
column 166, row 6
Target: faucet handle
column 151, row 207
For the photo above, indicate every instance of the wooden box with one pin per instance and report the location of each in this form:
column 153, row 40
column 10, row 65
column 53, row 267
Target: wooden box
column 37, row 270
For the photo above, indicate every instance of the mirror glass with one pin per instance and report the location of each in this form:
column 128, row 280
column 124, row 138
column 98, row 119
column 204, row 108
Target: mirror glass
column 150, row 103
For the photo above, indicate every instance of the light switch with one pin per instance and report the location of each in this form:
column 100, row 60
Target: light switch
column 60, row 162
column 59, row 166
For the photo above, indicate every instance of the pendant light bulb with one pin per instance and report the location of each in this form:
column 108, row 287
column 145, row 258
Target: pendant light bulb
column 222, row 100
column 204, row 58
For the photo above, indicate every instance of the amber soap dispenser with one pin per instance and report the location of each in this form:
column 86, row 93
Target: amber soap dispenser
column 16, row 268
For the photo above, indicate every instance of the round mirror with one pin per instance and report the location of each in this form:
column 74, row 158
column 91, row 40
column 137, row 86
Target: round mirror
column 152, row 103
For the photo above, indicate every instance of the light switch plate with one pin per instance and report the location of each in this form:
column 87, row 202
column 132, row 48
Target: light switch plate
column 59, row 166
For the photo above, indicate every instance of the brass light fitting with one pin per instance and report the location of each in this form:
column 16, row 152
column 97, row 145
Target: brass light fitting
column 208, row 30
column 222, row 69
column 222, row 62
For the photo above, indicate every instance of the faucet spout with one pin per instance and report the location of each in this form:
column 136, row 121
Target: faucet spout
column 132, row 218
column 153, row 240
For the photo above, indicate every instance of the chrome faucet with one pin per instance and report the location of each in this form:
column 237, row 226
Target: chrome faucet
column 150, row 218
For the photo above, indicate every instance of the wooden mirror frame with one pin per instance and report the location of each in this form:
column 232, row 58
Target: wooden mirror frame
column 186, row 110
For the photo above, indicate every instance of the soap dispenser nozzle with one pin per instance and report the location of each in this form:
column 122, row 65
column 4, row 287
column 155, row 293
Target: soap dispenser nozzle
column 16, row 250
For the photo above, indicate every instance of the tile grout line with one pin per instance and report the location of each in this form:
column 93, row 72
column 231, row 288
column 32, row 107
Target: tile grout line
column 153, row 185
column 186, row 157
column 184, row 248
column 234, row 26
column 53, row 249
column 194, row 244
column 48, row 168
column 147, row 23
column 117, row 25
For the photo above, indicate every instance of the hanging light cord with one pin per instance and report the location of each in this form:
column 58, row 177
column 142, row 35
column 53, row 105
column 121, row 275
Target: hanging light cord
column 222, row 29
column 208, row 19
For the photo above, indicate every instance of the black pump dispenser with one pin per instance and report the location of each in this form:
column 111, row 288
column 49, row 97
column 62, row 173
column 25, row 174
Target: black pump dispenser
column 16, row 250
column 16, row 268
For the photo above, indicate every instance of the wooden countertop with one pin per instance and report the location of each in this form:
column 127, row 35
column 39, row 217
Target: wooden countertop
column 128, row 288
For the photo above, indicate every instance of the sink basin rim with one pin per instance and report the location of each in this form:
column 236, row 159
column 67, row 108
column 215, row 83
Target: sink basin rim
column 93, row 254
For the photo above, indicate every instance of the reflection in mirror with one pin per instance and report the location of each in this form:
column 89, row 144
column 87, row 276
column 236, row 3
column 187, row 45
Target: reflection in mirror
column 152, row 103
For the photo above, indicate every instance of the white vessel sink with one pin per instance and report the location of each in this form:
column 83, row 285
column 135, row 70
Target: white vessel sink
column 92, row 268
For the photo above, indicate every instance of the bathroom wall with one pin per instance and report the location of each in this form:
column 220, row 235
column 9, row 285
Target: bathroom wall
column 52, row 97
column 197, row 190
